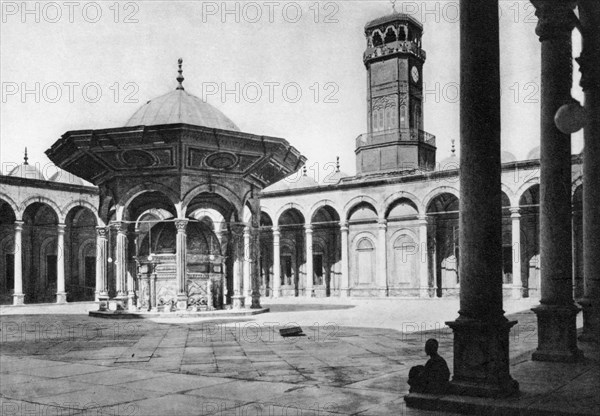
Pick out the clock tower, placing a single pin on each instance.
(394, 60)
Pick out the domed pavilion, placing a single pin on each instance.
(179, 189)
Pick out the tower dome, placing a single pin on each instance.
(179, 106)
(27, 171)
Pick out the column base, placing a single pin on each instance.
(118, 303)
(18, 299)
(517, 292)
(182, 301)
(255, 302)
(131, 301)
(61, 297)
(276, 293)
(481, 361)
(424, 292)
(238, 302)
(308, 292)
(591, 320)
(344, 292)
(103, 301)
(557, 333)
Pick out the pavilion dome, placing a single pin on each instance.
(288, 183)
(62, 176)
(179, 106)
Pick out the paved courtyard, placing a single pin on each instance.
(354, 358)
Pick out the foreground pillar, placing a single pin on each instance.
(382, 256)
(556, 314)
(255, 282)
(276, 262)
(309, 260)
(101, 268)
(481, 361)
(61, 294)
(516, 253)
(589, 14)
(181, 264)
(345, 285)
(238, 262)
(18, 296)
(424, 258)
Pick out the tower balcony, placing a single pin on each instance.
(398, 47)
(395, 135)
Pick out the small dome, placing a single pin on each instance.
(293, 182)
(27, 171)
(180, 107)
(507, 157)
(449, 163)
(534, 153)
(335, 178)
(62, 176)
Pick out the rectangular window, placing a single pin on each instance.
(90, 271)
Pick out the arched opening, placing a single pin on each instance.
(578, 243)
(362, 262)
(376, 40)
(529, 208)
(507, 248)
(403, 248)
(443, 250)
(7, 252)
(40, 256)
(292, 252)
(80, 254)
(266, 254)
(390, 35)
(326, 251)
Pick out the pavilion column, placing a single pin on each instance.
(247, 288)
(101, 267)
(382, 256)
(516, 253)
(309, 260)
(61, 295)
(18, 296)
(424, 257)
(556, 314)
(589, 15)
(276, 262)
(181, 263)
(255, 282)
(345, 285)
(222, 236)
(238, 264)
(481, 332)
(121, 263)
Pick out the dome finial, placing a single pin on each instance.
(180, 77)
(453, 147)
(304, 170)
(393, 6)
(25, 158)
(337, 163)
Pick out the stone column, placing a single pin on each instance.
(238, 252)
(481, 361)
(589, 15)
(61, 295)
(101, 267)
(382, 256)
(556, 314)
(276, 262)
(424, 258)
(247, 288)
(345, 285)
(255, 282)
(181, 263)
(516, 253)
(309, 260)
(18, 296)
(120, 264)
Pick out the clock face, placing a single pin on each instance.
(414, 73)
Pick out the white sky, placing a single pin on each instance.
(219, 52)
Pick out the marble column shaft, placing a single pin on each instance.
(181, 263)
(424, 258)
(18, 296)
(557, 312)
(309, 260)
(61, 295)
(382, 256)
(101, 266)
(516, 252)
(120, 260)
(276, 263)
(345, 284)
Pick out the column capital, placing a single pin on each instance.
(181, 225)
(515, 212)
(101, 232)
(422, 219)
(275, 230)
(19, 225)
(120, 226)
(556, 19)
(61, 228)
(382, 223)
(308, 228)
(344, 226)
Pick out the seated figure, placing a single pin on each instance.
(434, 376)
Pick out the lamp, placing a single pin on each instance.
(571, 117)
